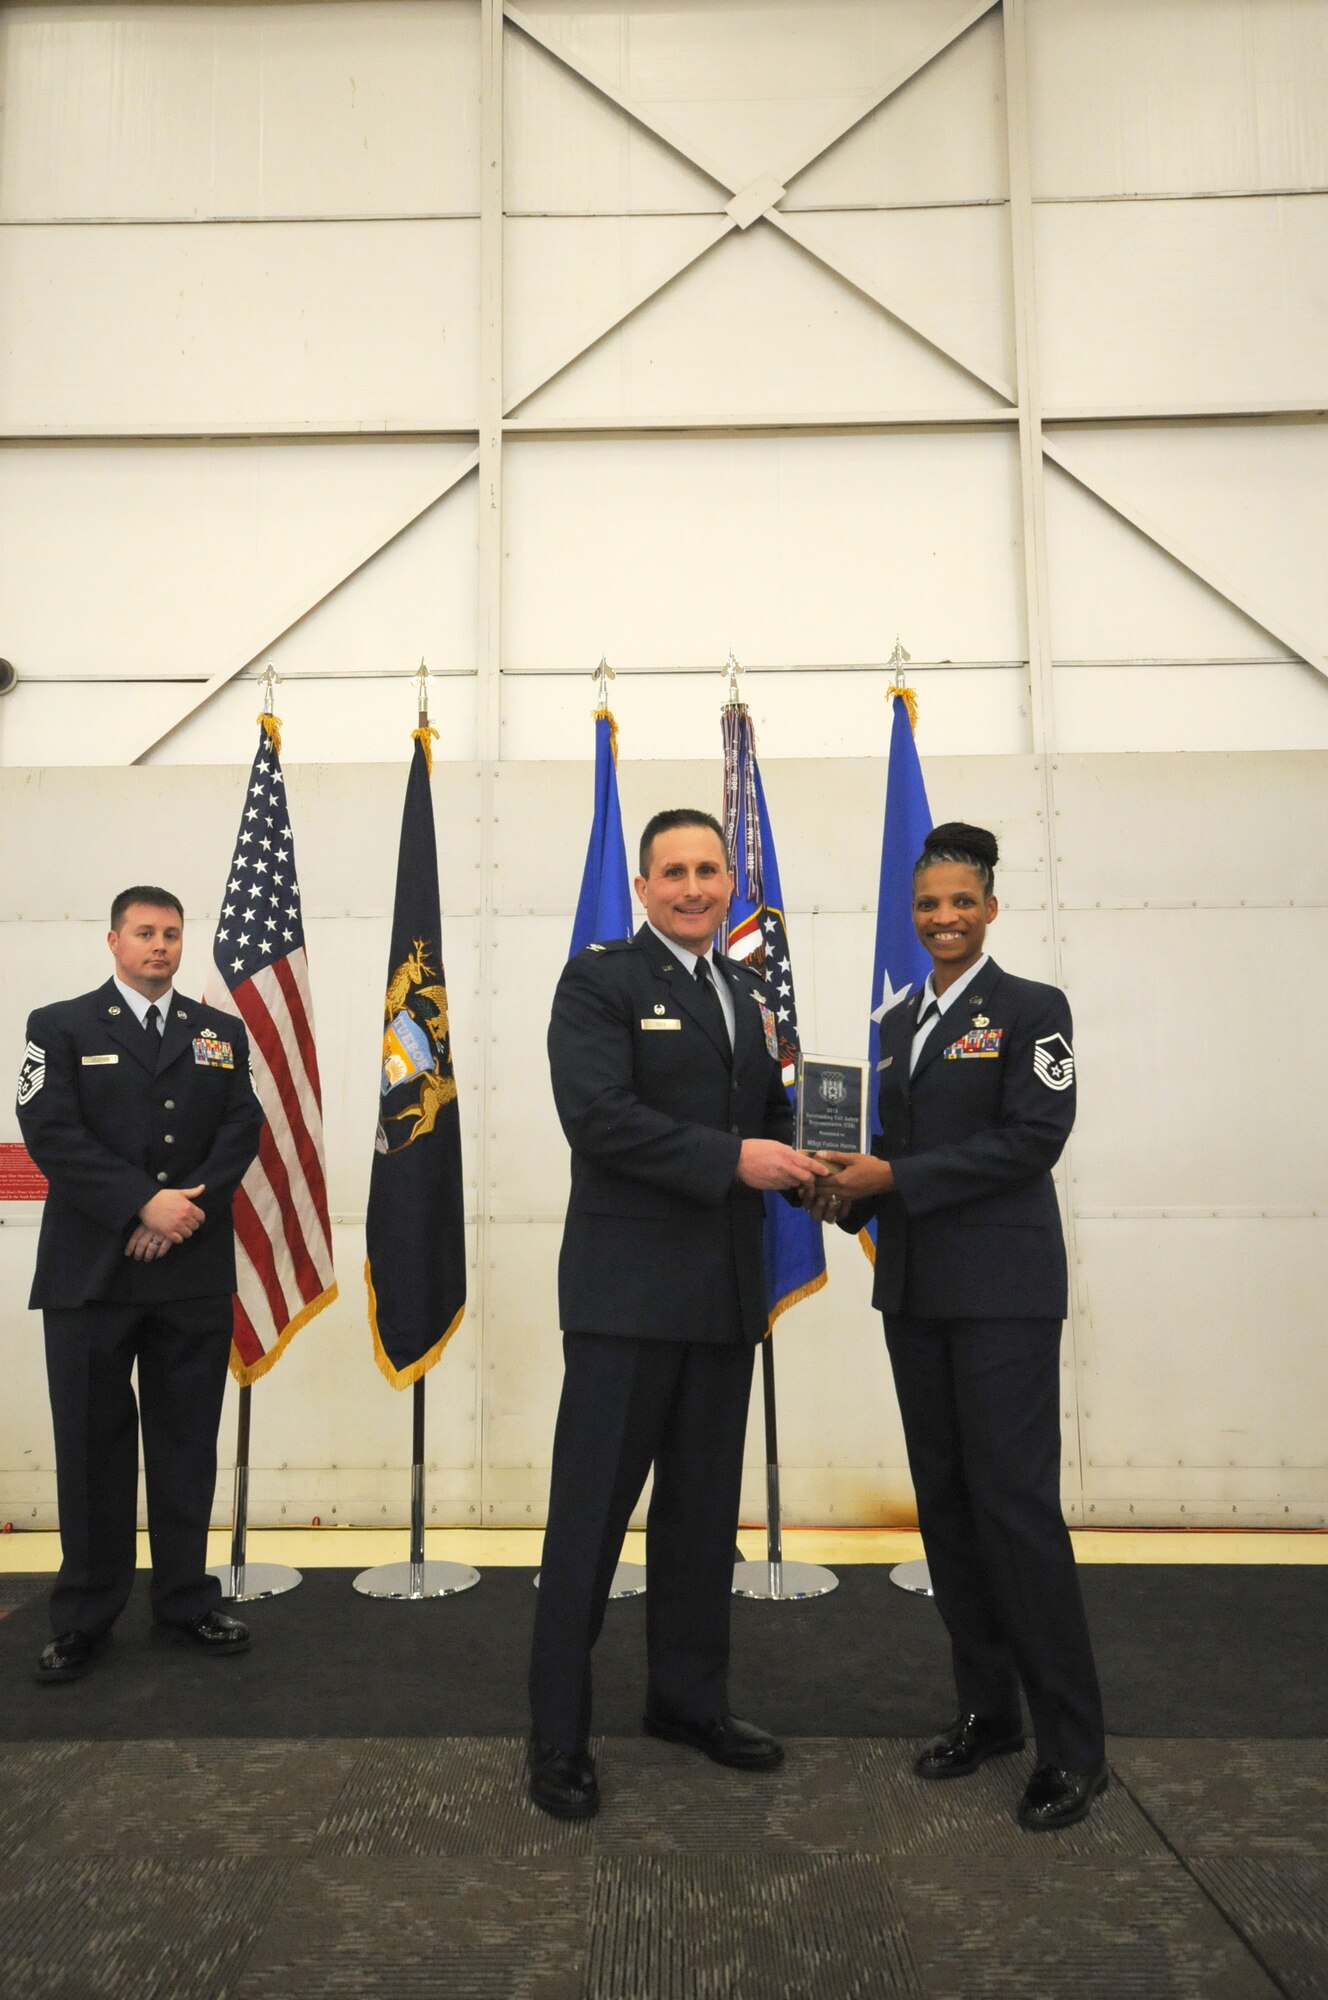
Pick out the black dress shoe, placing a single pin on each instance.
(213, 1632)
(562, 1782)
(66, 1657)
(968, 1742)
(1055, 1798)
(722, 1738)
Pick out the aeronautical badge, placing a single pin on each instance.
(32, 1074)
(771, 1032)
(1053, 1062)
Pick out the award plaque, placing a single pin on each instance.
(833, 1108)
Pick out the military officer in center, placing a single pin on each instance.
(667, 1080)
(138, 1106)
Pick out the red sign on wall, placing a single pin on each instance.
(20, 1177)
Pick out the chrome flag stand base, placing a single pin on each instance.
(410, 1582)
(914, 1576)
(774, 1579)
(629, 1580)
(781, 1581)
(245, 1582)
(414, 1580)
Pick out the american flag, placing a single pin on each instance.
(283, 1241)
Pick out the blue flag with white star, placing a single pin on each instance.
(604, 907)
(899, 962)
(794, 1250)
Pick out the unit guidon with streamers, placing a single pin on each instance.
(283, 1240)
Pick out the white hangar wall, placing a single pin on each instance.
(344, 332)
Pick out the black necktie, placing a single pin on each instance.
(706, 985)
(152, 1020)
(929, 1013)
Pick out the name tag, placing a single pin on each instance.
(662, 1026)
(213, 1054)
(94, 1062)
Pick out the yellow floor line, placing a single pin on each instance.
(347, 1548)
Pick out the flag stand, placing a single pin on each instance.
(244, 1582)
(783, 1582)
(914, 1576)
(417, 1578)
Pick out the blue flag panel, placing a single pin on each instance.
(899, 962)
(604, 907)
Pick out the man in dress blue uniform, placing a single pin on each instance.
(138, 1106)
(667, 1080)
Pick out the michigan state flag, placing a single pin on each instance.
(794, 1251)
(604, 907)
(415, 1227)
(899, 962)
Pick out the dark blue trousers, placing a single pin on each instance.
(181, 1349)
(627, 1404)
(980, 1400)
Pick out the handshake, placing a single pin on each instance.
(826, 1183)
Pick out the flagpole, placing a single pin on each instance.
(243, 1582)
(416, 1579)
(773, 1579)
(913, 1576)
(629, 1578)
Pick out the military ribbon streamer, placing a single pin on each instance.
(794, 1250)
(415, 1225)
(604, 907)
(899, 962)
(283, 1240)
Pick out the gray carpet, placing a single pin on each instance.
(251, 1869)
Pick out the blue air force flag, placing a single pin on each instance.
(604, 907)
(900, 962)
(794, 1250)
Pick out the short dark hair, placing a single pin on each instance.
(973, 846)
(664, 822)
(144, 892)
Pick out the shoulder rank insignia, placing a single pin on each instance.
(1053, 1062)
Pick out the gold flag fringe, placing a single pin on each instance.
(246, 1373)
(422, 736)
(868, 1247)
(794, 1298)
(606, 715)
(403, 1378)
(910, 701)
(271, 728)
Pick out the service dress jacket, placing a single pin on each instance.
(112, 1113)
(972, 1228)
(661, 1241)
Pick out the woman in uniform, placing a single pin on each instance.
(977, 1096)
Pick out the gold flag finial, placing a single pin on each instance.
(899, 659)
(422, 733)
(603, 675)
(269, 721)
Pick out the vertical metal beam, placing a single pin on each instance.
(1042, 707)
(489, 636)
(1029, 382)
